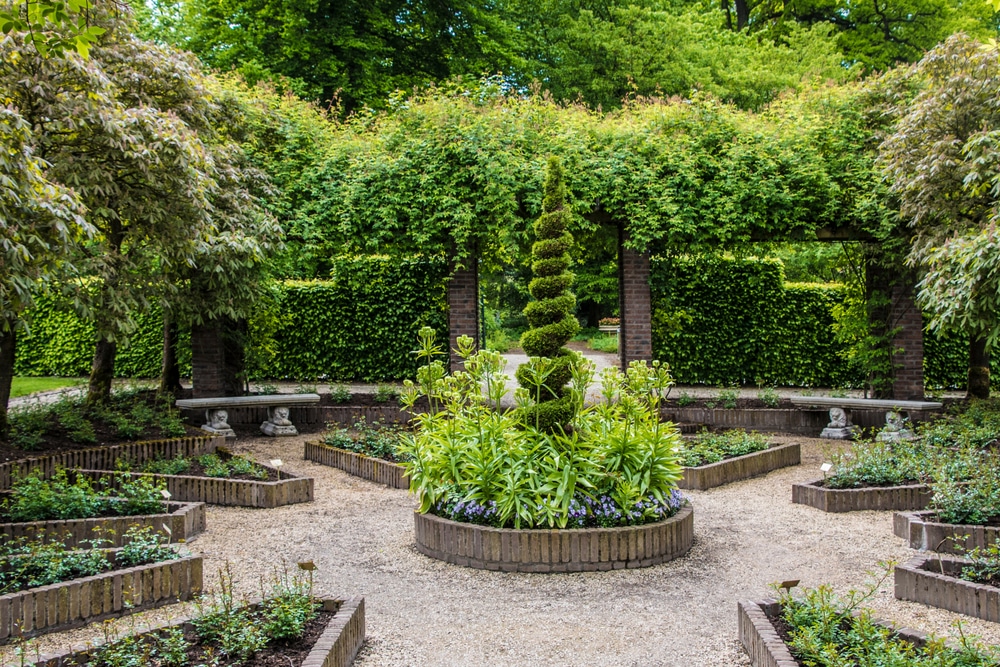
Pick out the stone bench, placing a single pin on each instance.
(277, 405)
(840, 426)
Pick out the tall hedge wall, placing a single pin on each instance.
(360, 325)
(719, 321)
(363, 323)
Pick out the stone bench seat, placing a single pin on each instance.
(840, 426)
(277, 405)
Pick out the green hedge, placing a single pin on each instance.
(361, 325)
(720, 321)
(59, 343)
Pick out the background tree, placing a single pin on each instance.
(944, 165)
(40, 223)
(550, 316)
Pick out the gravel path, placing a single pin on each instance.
(425, 612)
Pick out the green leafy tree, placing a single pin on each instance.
(52, 26)
(943, 160)
(40, 222)
(550, 315)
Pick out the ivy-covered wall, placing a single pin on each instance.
(360, 325)
(720, 321)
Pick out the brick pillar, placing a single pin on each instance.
(463, 307)
(207, 360)
(908, 361)
(635, 337)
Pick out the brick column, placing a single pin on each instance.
(463, 307)
(635, 337)
(207, 360)
(908, 361)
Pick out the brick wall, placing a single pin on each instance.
(908, 363)
(635, 340)
(463, 307)
(207, 361)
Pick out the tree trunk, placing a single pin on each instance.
(979, 368)
(102, 372)
(170, 372)
(742, 14)
(8, 344)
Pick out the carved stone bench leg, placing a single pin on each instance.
(840, 426)
(217, 422)
(278, 423)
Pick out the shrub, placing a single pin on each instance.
(33, 498)
(872, 463)
(340, 393)
(467, 457)
(217, 466)
(377, 440)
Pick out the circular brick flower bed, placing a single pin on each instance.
(541, 550)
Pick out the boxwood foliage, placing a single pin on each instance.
(361, 324)
(720, 320)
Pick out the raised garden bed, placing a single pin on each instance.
(184, 521)
(765, 646)
(935, 581)
(375, 470)
(900, 498)
(924, 533)
(336, 646)
(77, 602)
(288, 490)
(545, 550)
(740, 467)
(104, 458)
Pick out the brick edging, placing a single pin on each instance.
(222, 491)
(766, 649)
(740, 467)
(103, 458)
(548, 550)
(346, 629)
(375, 470)
(879, 498)
(184, 520)
(924, 534)
(921, 580)
(74, 603)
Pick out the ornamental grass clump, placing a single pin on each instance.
(615, 464)
(550, 314)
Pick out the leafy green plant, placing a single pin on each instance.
(385, 393)
(874, 463)
(602, 343)
(267, 389)
(728, 397)
(769, 397)
(377, 440)
(340, 393)
(144, 545)
(714, 447)
(175, 466)
(685, 399)
(984, 565)
(306, 388)
(826, 629)
(219, 466)
(33, 498)
(475, 463)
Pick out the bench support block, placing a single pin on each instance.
(278, 422)
(217, 422)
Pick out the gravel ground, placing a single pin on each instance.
(425, 612)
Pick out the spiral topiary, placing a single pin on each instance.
(550, 315)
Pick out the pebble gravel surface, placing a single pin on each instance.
(423, 612)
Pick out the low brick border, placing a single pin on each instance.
(908, 497)
(71, 604)
(924, 534)
(103, 458)
(336, 647)
(221, 491)
(184, 520)
(375, 470)
(766, 648)
(921, 579)
(741, 467)
(541, 550)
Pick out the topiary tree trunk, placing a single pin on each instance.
(550, 315)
